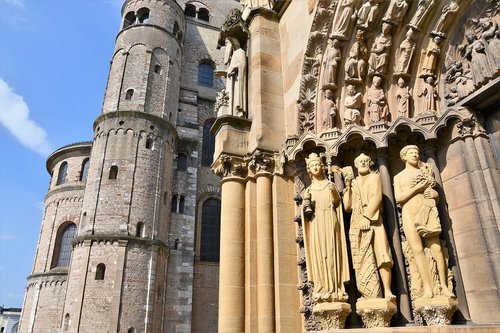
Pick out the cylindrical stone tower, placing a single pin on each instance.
(118, 268)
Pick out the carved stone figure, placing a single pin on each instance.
(491, 35)
(345, 15)
(403, 98)
(368, 13)
(405, 54)
(423, 8)
(324, 238)
(475, 52)
(222, 103)
(333, 55)
(328, 110)
(355, 66)
(236, 84)
(396, 11)
(430, 94)
(447, 14)
(431, 58)
(370, 250)
(377, 63)
(376, 101)
(414, 191)
(352, 106)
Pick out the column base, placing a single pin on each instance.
(436, 311)
(332, 315)
(376, 312)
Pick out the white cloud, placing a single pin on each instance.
(17, 3)
(7, 237)
(14, 115)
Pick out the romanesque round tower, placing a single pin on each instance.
(117, 275)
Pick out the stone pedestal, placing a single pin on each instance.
(378, 127)
(332, 315)
(376, 312)
(436, 311)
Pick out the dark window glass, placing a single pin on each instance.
(61, 176)
(143, 15)
(149, 143)
(208, 148)
(182, 162)
(181, 205)
(203, 14)
(139, 231)
(66, 245)
(129, 94)
(210, 230)
(85, 170)
(174, 204)
(190, 10)
(113, 172)
(129, 19)
(100, 272)
(206, 75)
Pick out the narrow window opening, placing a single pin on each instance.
(113, 172)
(158, 69)
(66, 322)
(100, 272)
(203, 14)
(208, 144)
(176, 28)
(174, 204)
(85, 170)
(139, 231)
(129, 94)
(149, 143)
(165, 197)
(176, 244)
(64, 246)
(143, 15)
(182, 162)
(206, 75)
(210, 231)
(190, 10)
(181, 204)
(129, 19)
(61, 176)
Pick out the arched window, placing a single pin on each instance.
(61, 176)
(129, 94)
(203, 14)
(129, 19)
(210, 230)
(139, 230)
(143, 15)
(66, 322)
(181, 204)
(176, 29)
(85, 170)
(206, 75)
(100, 271)
(182, 162)
(65, 245)
(15, 328)
(208, 148)
(174, 204)
(149, 143)
(113, 172)
(158, 69)
(190, 10)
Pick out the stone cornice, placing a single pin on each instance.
(239, 123)
(122, 240)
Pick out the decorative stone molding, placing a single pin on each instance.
(376, 312)
(332, 315)
(436, 311)
(261, 162)
(227, 166)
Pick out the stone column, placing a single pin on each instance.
(392, 229)
(232, 256)
(265, 263)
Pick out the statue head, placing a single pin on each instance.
(314, 165)
(409, 150)
(401, 82)
(363, 163)
(351, 90)
(386, 28)
(328, 94)
(376, 81)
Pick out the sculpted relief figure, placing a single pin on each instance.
(369, 246)
(355, 66)
(430, 94)
(333, 55)
(368, 13)
(345, 15)
(324, 238)
(328, 110)
(491, 35)
(352, 106)
(475, 52)
(376, 101)
(403, 98)
(431, 58)
(377, 63)
(423, 8)
(405, 54)
(414, 191)
(447, 14)
(236, 83)
(396, 11)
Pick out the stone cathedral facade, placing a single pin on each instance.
(282, 166)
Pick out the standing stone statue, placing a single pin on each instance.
(236, 84)
(475, 52)
(325, 244)
(376, 102)
(333, 55)
(414, 191)
(355, 66)
(328, 110)
(352, 106)
(371, 255)
(431, 58)
(403, 97)
(423, 8)
(368, 13)
(405, 54)
(491, 35)
(430, 94)
(377, 63)
(345, 15)
(447, 14)
(396, 11)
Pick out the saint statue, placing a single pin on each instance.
(430, 94)
(236, 84)
(376, 102)
(414, 191)
(356, 64)
(396, 11)
(352, 106)
(377, 63)
(447, 14)
(405, 53)
(432, 52)
(324, 239)
(333, 55)
(345, 14)
(423, 8)
(403, 98)
(370, 250)
(368, 13)
(328, 110)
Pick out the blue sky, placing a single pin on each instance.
(54, 62)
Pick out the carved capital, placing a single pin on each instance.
(227, 166)
(470, 125)
(260, 162)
